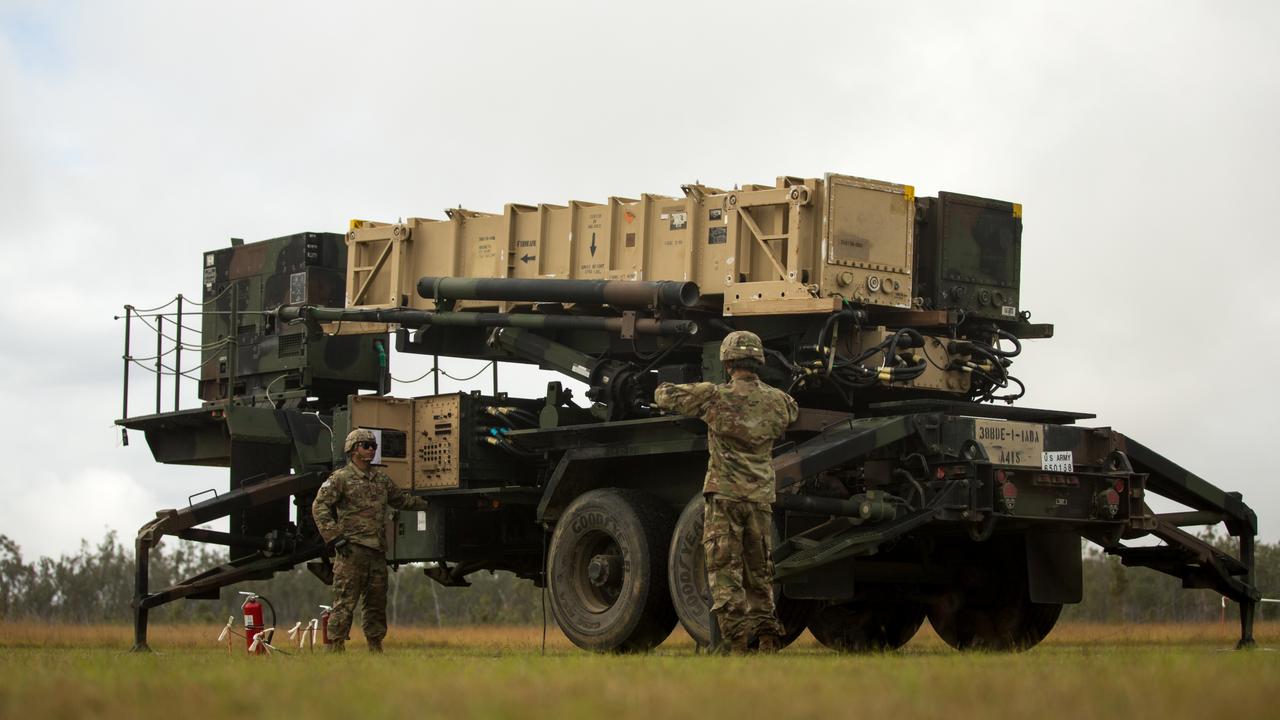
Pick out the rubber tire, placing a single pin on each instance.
(862, 626)
(691, 595)
(642, 616)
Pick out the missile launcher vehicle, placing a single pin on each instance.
(911, 487)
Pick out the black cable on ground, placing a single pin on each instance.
(544, 588)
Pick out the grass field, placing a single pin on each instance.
(1081, 671)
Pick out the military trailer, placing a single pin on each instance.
(912, 486)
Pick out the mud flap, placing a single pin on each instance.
(322, 569)
(1054, 567)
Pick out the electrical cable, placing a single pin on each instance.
(158, 307)
(185, 346)
(225, 290)
(472, 377)
(423, 375)
(320, 420)
(928, 357)
(267, 390)
(1005, 335)
(545, 536)
(528, 417)
(680, 341)
(186, 327)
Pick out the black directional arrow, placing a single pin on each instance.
(527, 257)
(593, 244)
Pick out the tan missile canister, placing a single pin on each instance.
(798, 246)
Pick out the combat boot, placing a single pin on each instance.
(338, 646)
(739, 645)
(769, 643)
(375, 646)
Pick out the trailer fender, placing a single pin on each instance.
(673, 475)
(1054, 569)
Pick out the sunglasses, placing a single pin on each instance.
(366, 445)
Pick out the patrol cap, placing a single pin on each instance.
(741, 344)
(355, 436)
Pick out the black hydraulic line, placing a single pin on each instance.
(906, 476)
(528, 417)
(857, 317)
(913, 340)
(819, 505)
(621, 293)
(529, 321)
(1006, 335)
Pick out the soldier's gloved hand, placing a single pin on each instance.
(339, 545)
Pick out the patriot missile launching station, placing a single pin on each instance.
(913, 485)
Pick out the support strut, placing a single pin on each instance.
(260, 564)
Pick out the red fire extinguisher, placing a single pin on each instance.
(252, 610)
(324, 624)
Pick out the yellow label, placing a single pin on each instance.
(1017, 210)
(356, 224)
(909, 192)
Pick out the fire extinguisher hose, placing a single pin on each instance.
(273, 611)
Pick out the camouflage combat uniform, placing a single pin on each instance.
(743, 417)
(353, 505)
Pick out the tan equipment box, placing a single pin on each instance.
(798, 246)
(418, 438)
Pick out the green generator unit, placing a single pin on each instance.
(244, 340)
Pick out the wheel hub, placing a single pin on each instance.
(604, 568)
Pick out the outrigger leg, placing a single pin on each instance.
(1247, 607)
(274, 553)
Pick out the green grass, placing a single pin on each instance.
(1091, 671)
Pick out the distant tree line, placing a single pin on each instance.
(95, 585)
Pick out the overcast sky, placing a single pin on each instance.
(1140, 137)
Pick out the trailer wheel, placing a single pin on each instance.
(991, 609)
(867, 625)
(691, 595)
(607, 571)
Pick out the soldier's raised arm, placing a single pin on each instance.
(793, 410)
(324, 507)
(690, 399)
(401, 499)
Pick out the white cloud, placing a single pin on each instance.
(49, 512)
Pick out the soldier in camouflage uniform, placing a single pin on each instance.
(350, 511)
(743, 417)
